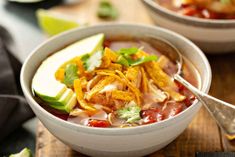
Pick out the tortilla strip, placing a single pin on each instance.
(80, 96)
(144, 81)
(99, 86)
(162, 80)
(105, 70)
(126, 82)
(122, 95)
(131, 86)
(115, 66)
(132, 73)
(141, 53)
(79, 63)
(83, 82)
(109, 56)
(93, 82)
(59, 75)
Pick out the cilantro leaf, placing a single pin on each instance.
(84, 58)
(128, 51)
(70, 74)
(123, 61)
(142, 60)
(107, 10)
(131, 114)
(126, 60)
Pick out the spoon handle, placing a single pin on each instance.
(223, 113)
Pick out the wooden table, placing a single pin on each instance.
(202, 135)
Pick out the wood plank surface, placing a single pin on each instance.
(223, 86)
(202, 135)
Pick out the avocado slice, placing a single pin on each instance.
(24, 153)
(64, 99)
(69, 106)
(44, 83)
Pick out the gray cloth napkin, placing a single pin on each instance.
(14, 111)
(13, 107)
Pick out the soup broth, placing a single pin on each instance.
(125, 110)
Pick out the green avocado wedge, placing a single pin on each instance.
(44, 83)
(24, 153)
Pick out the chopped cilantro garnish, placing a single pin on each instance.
(142, 60)
(128, 51)
(123, 61)
(70, 74)
(106, 10)
(130, 114)
(85, 57)
(126, 60)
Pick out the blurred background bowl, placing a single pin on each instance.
(212, 36)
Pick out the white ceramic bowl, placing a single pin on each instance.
(212, 36)
(136, 141)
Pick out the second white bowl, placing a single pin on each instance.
(212, 36)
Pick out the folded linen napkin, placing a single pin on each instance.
(13, 107)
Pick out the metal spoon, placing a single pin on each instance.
(223, 112)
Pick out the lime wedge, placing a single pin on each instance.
(54, 23)
(24, 153)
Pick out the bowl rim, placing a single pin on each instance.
(111, 131)
(218, 23)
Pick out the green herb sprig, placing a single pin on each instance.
(126, 60)
(130, 114)
(106, 10)
(70, 74)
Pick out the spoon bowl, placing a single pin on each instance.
(169, 50)
(222, 112)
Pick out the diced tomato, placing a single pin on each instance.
(177, 109)
(172, 109)
(180, 86)
(151, 116)
(189, 100)
(189, 97)
(189, 11)
(98, 123)
(209, 14)
(184, 5)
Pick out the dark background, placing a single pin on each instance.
(20, 20)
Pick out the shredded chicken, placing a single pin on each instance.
(157, 94)
(162, 80)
